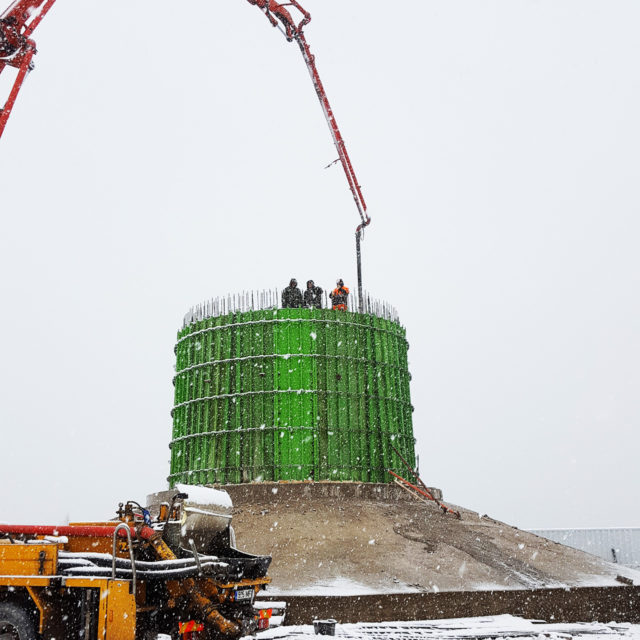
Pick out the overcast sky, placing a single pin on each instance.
(159, 156)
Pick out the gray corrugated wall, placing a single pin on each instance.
(600, 542)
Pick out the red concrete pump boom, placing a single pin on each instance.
(280, 17)
(17, 24)
(17, 49)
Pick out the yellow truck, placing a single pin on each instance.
(169, 570)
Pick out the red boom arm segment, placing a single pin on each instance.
(276, 11)
(17, 49)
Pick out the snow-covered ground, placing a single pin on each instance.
(340, 586)
(505, 626)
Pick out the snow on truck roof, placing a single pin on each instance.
(205, 496)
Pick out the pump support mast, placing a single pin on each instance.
(17, 49)
(276, 12)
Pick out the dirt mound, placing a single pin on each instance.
(349, 538)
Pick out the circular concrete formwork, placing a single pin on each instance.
(291, 394)
(360, 538)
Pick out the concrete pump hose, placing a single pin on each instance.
(207, 608)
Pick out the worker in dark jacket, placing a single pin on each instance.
(313, 296)
(339, 296)
(292, 296)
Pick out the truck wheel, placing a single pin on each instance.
(15, 623)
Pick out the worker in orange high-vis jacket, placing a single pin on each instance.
(339, 296)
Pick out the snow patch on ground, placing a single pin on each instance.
(338, 587)
(505, 626)
(590, 580)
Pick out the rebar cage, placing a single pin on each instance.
(272, 394)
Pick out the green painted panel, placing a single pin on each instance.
(290, 395)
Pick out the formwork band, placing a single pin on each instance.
(298, 392)
(240, 431)
(288, 356)
(342, 323)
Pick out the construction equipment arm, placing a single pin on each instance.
(17, 49)
(293, 31)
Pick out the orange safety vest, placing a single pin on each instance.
(339, 298)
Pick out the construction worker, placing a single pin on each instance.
(292, 296)
(271, 7)
(339, 296)
(313, 296)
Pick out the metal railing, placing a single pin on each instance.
(124, 527)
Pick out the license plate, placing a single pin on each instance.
(244, 595)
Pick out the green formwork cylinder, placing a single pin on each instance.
(291, 395)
